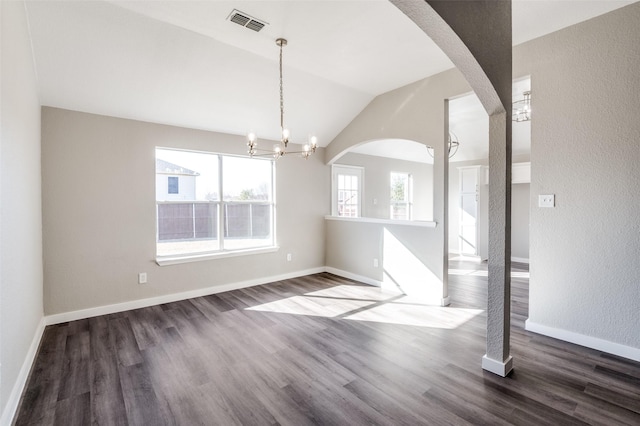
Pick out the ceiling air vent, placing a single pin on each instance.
(246, 20)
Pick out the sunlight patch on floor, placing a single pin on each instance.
(312, 305)
(417, 315)
(373, 304)
(356, 292)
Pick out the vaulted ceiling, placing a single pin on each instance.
(185, 63)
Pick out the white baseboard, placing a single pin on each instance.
(584, 340)
(497, 367)
(352, 276)
(18, 387)
(173, 297)
(520, 259)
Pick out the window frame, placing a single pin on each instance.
(220, 204)
(349, 171)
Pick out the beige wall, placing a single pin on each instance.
(586, 149)
(377, 172)
(99, 212)
(20, 211)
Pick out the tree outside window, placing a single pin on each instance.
(400, 197)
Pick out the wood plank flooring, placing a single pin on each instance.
(321, 350)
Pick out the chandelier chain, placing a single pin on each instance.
(281, 93)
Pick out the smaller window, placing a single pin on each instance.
(401, 197)
(347, 191)
(173, 187)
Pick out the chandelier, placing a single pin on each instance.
(522, 108)
(280, 149)
(453, 145)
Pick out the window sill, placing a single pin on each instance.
(419, 223)
(175, 260)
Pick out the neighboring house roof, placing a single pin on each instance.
(168, 168)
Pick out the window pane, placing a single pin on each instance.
(247, 192)
(187, 207)
(247, 226)
(246, 179)
(400, 185)
(196, 171)
(347, 196)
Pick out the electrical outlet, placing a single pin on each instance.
(288, 257)
(142, 278)
(375, 263)
(546, 200)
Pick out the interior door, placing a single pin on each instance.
(468, 232)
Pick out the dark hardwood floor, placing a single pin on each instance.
(321, 350)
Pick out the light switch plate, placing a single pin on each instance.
(547, 200)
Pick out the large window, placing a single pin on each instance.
(346, 184)
(401, 200)
(224, 203)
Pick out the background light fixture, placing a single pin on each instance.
(521, 110)
(453, 145)
(280, 149)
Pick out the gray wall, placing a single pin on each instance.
(101, 170)
(20, 211)
(520, 196)
(586, 150)
(413, 112)
(377, 172)
(405, 255)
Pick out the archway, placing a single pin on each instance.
(476, 35)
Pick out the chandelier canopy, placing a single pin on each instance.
(522, 108)
(280, 149)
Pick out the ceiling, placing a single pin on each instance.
(184, 63)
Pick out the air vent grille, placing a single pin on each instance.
(246, 20)
(255, 25)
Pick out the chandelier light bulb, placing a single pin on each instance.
(285, 135)
(252, 137)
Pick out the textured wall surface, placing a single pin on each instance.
(20, 201)
(586, 150)
(101, 170)
(520, 196)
